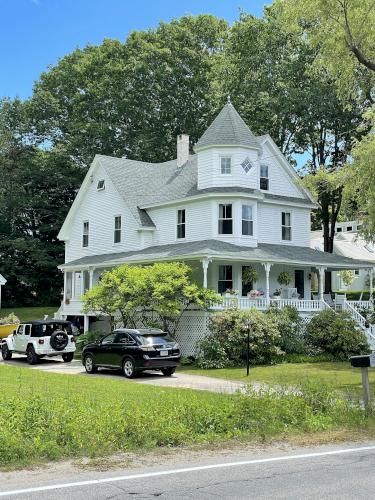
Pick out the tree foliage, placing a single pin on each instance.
(157, 295)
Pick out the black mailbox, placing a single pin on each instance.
(363, 361)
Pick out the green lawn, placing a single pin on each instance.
(335, 375)
(29, 313)
(45, 416)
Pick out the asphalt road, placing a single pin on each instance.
(342, 472)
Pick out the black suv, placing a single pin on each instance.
(133, 351)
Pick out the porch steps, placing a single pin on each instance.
(361, 322)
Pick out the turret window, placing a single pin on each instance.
(286, 226)
(247, 220)
(117, 231)
(181, 224)
(226, 167)
(225, 219)
(246, 165)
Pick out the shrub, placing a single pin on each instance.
(87, 338)
(11, 318)
(227, 342)
(336, 334)
(291, 329)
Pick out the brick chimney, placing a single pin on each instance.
(182, 149)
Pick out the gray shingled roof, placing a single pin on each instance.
(285, 254)
(142, 184)
(228, 128)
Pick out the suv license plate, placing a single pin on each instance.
(163, 353)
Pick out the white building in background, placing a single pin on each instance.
(348, 243)
(2, 283)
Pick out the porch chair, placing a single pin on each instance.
(339, 301)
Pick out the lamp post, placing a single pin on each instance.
(248, 328)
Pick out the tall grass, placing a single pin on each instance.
(49, 417)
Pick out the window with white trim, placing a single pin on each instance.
(117, 230)
(263, 179)
(85, 233)
(226, 165)
(101, 185)
(225, 219)
(181, 224)
(356, 272)
(225, 281)
(247, 220)
(286, 226)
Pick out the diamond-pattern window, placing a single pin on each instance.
(246, 165)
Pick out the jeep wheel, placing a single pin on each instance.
(32, 357)
(128, 368)
(168, 372)
(68, 357)
(89, 364)
(6, 353)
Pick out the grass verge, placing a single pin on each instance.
(337, 375)
(29, 313)
(46, 416)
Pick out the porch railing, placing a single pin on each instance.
(360, 304)
(262, 304)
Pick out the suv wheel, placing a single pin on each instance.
(89, 364)
(68, 357)
(128, 368)
(6, 353)
(168, 372)
(32, 357)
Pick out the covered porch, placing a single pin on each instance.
(221, 266)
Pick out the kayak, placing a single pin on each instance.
(6, 330)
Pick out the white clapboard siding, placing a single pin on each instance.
(209, 168)
(269, 224)
(100, 209)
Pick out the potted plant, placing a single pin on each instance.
(250, 275)
(284, 278)
(277, 293)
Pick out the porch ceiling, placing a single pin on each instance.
(216, 249)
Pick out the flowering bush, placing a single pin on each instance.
(227, 342)
(11, 318)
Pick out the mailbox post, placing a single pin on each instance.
(248, 328)
(364, 363)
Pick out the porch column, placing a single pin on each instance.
(205, 263)
(65, 282)
(371, 273)
(267, 267)
(91, 278)
(321, 270)
(73, 285)
(86, 323)
(82, 283)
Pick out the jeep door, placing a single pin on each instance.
(22, 338)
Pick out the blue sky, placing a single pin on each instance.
(36, 33)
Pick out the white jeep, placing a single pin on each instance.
(38, 339)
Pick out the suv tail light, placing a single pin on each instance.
(41, 341)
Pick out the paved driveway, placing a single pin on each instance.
(179, 379)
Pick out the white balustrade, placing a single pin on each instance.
(360, 304)
(262, 304)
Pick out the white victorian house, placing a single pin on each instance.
(236, 202)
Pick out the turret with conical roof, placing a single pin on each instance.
(228, 152)
(228, 129)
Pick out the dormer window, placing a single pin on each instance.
(101, 185)
(225, 163)
(264, 180)
(246, 165)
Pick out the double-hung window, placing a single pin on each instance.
(225, 279)
(264, 180)
(286, 226)
(85, 233)
(181, 225)
(247, 220)
(225, 219)
(225, 164)
(117, 231)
